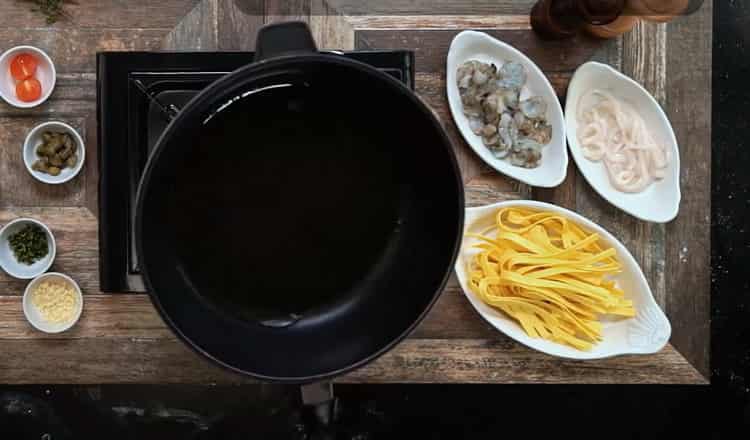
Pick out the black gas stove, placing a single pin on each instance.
(138, 93)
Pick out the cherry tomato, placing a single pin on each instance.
(29, 90)
(23, 66)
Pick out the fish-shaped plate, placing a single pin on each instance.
(647, 332)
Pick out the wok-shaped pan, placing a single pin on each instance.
(299, 217)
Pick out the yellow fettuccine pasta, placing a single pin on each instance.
(548, 274)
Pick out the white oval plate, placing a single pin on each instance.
(647, 333)
(472, 45)
(658, 203)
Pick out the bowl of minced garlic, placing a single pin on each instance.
(52, 302)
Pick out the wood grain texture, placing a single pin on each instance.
(133, 316)
(17, 186)
(197, 31)
(73, 50)
(645, 60)
(150, 360)
(330, 29)
(288, 10)
(453, 344)
(75, 231)
(460, 22)
(144, 14)
(238, 23)
(432, 7)
(688, 241)
(74, 102)
(104, 316)
(643, 57)
(431, 47)
(477, 361)
(74, 95)
(563, 195)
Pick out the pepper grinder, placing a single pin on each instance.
(560, 19)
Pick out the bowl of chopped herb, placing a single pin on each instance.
(27, 248)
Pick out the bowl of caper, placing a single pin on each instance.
(27, 248)
(53, 152)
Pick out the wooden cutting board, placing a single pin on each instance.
(121, 339)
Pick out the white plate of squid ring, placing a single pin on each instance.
(640, 171)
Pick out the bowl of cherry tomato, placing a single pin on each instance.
(27, 76)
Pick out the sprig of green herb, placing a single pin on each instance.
(51, 9)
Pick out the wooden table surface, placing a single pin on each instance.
(121, 339)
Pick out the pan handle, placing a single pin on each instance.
(284, 39)
(319, 396)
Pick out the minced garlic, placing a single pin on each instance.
(55, 301)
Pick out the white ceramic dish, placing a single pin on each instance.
(658, 203)
(647, 333)
(472, 45)
(45, 73)
(8, 261)
(34, 138)
(33, 315)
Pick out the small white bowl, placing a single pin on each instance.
(648, 332)
(8, 261)
(472, 45)
(34, 139)
(45, 73)
(658, 203)
(33, 315)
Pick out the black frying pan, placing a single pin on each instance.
(299, 216)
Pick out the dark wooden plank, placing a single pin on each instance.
(432, 7)
(238, 23)
(162, 14)
(104, 316)
(422, 21)
(74, 50)
(133, 316)
(73, 101)
(331, 30)
(74, 96)
(639, 55)
(196, 31)
(644, 59)
(493, 361)
(17, 187)
(688, 262)
(453, 344)
(106, 360)
(218, 25)
(148, 360)
(282, 10)
(75, 231)
(492, 188)
(431, 47)
(563, 195)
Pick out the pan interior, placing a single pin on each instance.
(285, 199)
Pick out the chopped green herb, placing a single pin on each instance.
(29, 244)
(51, 9)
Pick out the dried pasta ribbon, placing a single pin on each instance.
(548, 274)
